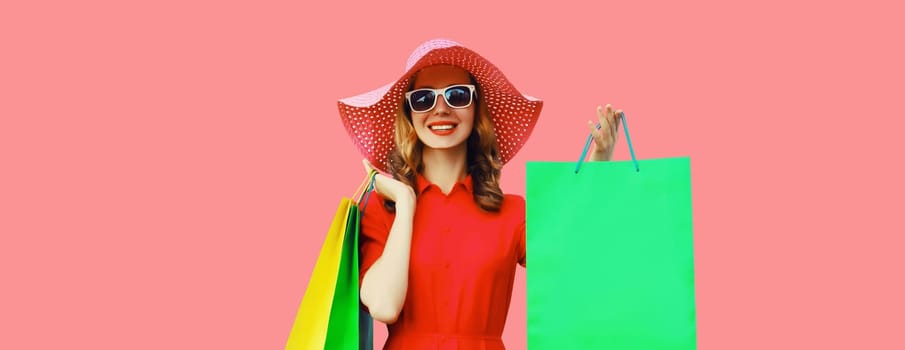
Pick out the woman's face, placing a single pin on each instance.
(443, 127)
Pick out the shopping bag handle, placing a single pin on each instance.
(365, 187)
(364, 190)
(628, 139)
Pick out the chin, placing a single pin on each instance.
(443, 142)
(442, 145)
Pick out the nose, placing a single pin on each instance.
(441, 107)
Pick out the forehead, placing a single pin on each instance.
(440, 76)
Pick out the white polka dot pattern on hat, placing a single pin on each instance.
(370, 117)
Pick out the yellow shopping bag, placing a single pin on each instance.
(329, 311)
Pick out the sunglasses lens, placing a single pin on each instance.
(458, 96)
(422, 100)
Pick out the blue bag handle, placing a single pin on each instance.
(587, 145)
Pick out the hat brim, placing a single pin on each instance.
(369, 118)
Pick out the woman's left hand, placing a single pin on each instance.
(605, 137)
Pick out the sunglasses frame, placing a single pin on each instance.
(441, 92)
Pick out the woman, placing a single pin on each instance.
(440, 243)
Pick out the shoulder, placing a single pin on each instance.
(513, 206)
(513, 200)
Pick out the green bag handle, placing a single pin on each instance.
(587, 144)
(367, 191)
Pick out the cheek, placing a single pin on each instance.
(418, 120)
(469, 118)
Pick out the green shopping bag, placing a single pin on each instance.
(330, 315)
(351, 326)
(612, 257)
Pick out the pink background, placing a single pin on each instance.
(169, 169)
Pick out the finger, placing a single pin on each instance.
(609, 112)
(605, 127)
(599, 138)
(613, 118)
(595, 130)
(600, 115)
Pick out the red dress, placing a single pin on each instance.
(461, 269)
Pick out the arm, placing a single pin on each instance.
(384, 285)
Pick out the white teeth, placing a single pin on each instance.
(442, 127)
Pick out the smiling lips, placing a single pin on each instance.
(442, 128)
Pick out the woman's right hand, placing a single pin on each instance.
(391, 188)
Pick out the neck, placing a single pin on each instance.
(444, 167)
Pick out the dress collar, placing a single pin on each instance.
(423, 184)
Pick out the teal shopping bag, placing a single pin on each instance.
(612, 256)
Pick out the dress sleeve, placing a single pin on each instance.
(373, 233)
(516, 214)
(522, 251)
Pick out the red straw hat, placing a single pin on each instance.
(370, 117)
